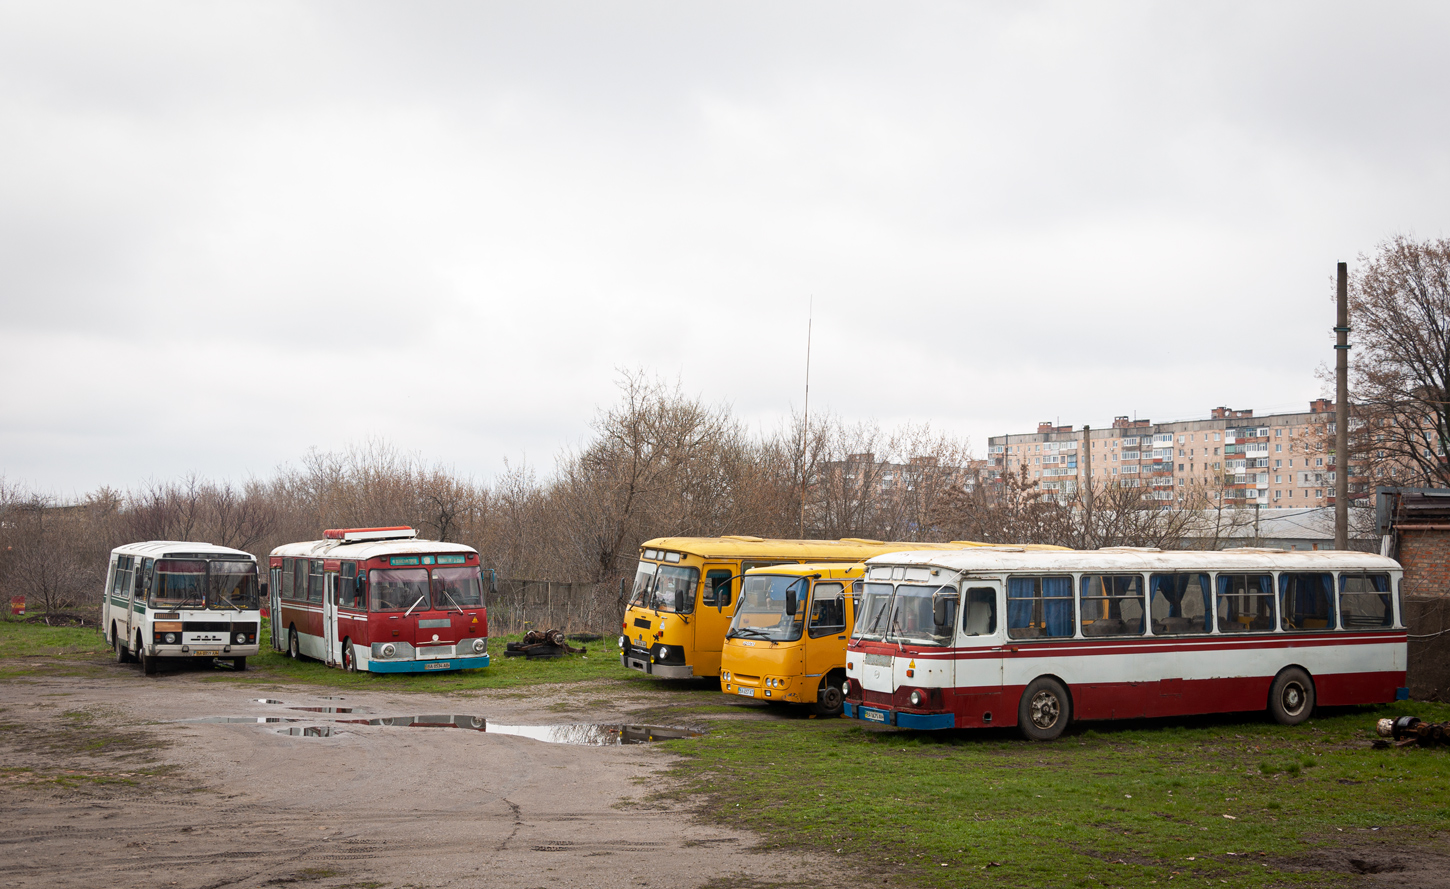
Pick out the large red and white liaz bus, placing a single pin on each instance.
(381, 600)
(1003, 637)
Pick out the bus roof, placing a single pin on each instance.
(1136, 560)
(831, 570)
(158, 549)
(366, 549)
(742, 546)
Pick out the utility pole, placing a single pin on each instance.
(806, 414)
(1341, 411)
(1087, 479)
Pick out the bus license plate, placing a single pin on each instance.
(211, 652)
(439, 666)
(748, 692)
(872, 715)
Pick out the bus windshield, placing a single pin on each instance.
(871, 620)
(196, 583)
(232, 585)
(458, 588)
(399, 589)
(924, 615)
(761, 613)
(644, 579)
(655, 587)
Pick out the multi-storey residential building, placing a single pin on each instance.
(1231, 458)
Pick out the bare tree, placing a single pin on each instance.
(1399, 306)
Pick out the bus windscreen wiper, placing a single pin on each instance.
(414, 605)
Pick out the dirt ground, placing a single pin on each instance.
(104, 782)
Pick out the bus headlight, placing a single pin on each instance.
(170, 638)
(725, 675)
(241, 638)
(916, 699)
(846, 688)
(389, 650)
(623, 642)
(480, 644)
(664, 651)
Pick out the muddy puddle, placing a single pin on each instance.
(331, 709)
(243, 719)
(309, 731)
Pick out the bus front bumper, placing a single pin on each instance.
(635, 659)
(899, 718)
(428, 666)
(192, 651)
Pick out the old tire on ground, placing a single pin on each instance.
(1291, 698)
(829, 699)
(293, 650)
(349, 657)
(239, 664)
(1045, 710)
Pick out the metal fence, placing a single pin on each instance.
(523, 605)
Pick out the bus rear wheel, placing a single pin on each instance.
(293, 650)
(1291, 699)
(1045, 710)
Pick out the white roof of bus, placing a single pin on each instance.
(158, 549)
(367, 549)
(1138, 560)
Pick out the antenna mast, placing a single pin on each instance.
(806, 411)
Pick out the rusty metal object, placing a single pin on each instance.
(1409, 730)
(542, 644)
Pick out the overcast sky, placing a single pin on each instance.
(230, 232)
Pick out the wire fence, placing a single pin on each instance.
(1429, 650)
(523, 605)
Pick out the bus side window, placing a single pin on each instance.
(981, 614)
(717, 587)
(143, 581)
(1306, 601)
(1245, 602)
(828, 610)
(285, 590)
(315, 581)
(116, 577)
(855, 596)
(1364, 601)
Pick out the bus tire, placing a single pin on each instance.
(830, 700)
(294, 651)
(148, 662)
(239, 664)
(122, 655)
(1045, 710)
(1291, 698)
(349, 658)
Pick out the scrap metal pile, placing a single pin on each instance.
(542, 644)
(1409, 730)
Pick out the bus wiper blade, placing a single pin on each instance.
(454, 601)
(743, 630)
(414, 605)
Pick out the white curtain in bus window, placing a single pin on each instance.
(1364, 600)
(1245, 602)
(1039, 607)
(979, 611)
(1306, 600)
(1180, 604)
(1112, 605)
(398, 589)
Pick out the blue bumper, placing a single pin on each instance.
(899, 719)
(439, 666)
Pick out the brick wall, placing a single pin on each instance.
(1425, 555)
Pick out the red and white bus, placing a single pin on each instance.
(1003, 637)
(381, 600)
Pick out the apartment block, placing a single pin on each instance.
(1231, 457)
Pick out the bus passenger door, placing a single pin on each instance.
(713, 610)
(978, 693)
(274, 608)
(329, 618)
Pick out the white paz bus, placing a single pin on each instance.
(173, 599)
(1004, 637)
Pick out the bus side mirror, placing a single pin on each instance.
(790, 602)
(723, 597)
(492, 582)
(939, 611)
(679, 601)
(263, 589)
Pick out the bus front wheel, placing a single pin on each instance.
(349, 659)
(1291, 699)
(830, 700)
(148, 662)
(239, 664)
(1045, 710)
(122, 656)
(293, 651)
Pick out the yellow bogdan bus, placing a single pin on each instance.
(686, 588)
(787, 643)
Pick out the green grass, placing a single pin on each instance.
(19, 639)
(1121, 803)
